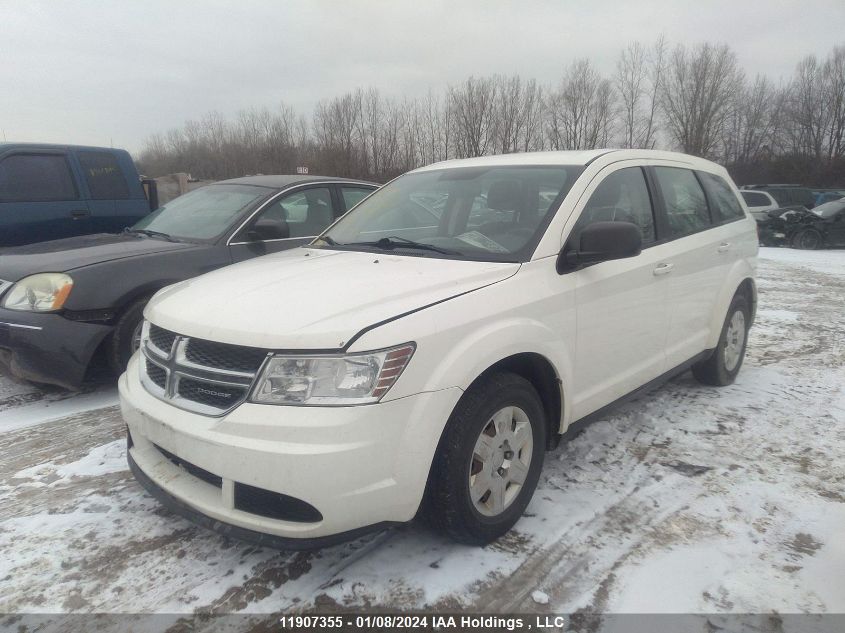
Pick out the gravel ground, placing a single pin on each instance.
(690, 499)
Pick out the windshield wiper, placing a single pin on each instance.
(150, 233)
(393, 242)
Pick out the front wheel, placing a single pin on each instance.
(808, 239)
(723, 365)
(126, 336)
(488, 461)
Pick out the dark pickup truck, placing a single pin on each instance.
(48, 192)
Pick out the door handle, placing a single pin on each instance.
(724, 247)
(663, 269)
(79, 214)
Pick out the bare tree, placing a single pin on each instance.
(472, 104)
(693, 98)
(700, 90)
(580, 112)
(751, 126)
(639, 77)
(834, 80)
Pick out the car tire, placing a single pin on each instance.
(723, 365)
(486, 444)
(807, 239)
(125, 337)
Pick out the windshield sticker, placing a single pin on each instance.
(479, 240)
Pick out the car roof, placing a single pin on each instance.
(569, 157)
(9, 145)
(280, 181)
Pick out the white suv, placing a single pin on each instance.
(431, 345)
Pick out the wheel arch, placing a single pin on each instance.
(540, 372)
(741, 280)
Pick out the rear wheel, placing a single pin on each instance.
(489, 460)
(808, 239)
(724, 364)
(126, 337)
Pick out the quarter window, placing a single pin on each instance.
(722, 198)
(36, 178)
(621, 197)
(103, 175)
(686, 205)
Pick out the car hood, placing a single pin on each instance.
(313, 298)
(75, 252)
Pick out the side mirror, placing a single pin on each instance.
(601, 242)
(268, 229)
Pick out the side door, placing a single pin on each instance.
(40, 198)
(695, 260)
(112, 208)
(620, 305)
(291, 219)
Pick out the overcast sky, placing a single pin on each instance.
(114, 72)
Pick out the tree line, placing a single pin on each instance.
(696, 99)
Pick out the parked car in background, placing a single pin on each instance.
(399, 364)
(828, 196)
(48, 192)
(824, 227)
(800, 228)
(61, 301)
(759, 203)
(787, 195)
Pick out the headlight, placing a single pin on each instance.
(331, 380)
(43, 292)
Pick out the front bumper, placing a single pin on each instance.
(48, 348)
(359, 467)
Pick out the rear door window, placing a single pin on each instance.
(686, 204)
(781, 196)
(723, 202)
(36, 178)
(304, 213)
(103, 175)
(353, 195)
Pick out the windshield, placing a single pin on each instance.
(829, 209)
(478, 213)
(202, 214)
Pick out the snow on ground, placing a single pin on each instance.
(689, 499)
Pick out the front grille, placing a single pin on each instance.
(210, 394)
(198, 375)
(156, 374)
(196, 471)
(225, 356)
(161, 338)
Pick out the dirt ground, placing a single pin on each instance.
(690, 499)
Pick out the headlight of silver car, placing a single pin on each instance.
(326, 380)
(44, 292)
